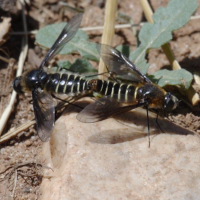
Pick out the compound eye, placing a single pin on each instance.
(17, 85)
(170, 103)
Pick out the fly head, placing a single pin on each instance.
(17, 85)
(170, 102)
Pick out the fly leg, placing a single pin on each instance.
(59, 108)
(158, 123)
(111, 75)
(147, 109)
(66, 101)
(89, 76)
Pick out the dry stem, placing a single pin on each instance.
(22, 57)
(109, 28)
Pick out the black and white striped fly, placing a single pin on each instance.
(133, 90)
(42, 84)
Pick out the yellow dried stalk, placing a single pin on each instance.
(109, 29)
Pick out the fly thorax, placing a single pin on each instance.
(152, 95)
(139, 96)
(35, 78)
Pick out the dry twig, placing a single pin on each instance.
(22, 57)
(16, 170)
(109, 28)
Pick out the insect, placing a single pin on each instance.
(42, 84)
(135, 90)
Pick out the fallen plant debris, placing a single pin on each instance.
(30, 172)
(5, 28)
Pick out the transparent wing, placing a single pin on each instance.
(44, 113)
(120, 64)
(66, 35)
(105, 107)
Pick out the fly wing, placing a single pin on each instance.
(103, 108)
(120, 64)
(44, 110)
(66, 35)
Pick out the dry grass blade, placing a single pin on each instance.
(15, 184)
(14, 132)
(14, 167)
(4, 59)
(109, 28)
(93, 28)
(23, 127)
(197, 78)
(27, 170)
(22, 57)
(4, 27)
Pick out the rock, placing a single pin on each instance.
(111, 160)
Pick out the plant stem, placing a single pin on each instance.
(109, 28)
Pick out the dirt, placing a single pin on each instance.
(23, 181)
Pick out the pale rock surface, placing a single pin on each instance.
(111, 160)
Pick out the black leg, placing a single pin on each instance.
(158, 123)
(62, 68)
(147, 108)
(66, 101)
(96, 74)
(166, 114)
(111, 75)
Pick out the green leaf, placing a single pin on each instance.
(141, 64)
(179, 77)
(46, 37)
(154, 35)
(64, 64)
(124, 49)
(79, 66)
(82, 66)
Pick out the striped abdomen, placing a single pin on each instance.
(124, 92)
(66, 83)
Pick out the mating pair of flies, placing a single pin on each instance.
(133, 90)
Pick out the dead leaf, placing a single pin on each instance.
(4, 27)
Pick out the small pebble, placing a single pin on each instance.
(28, 143)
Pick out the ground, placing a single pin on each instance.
(23, 150)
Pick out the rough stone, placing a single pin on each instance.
(111, 160)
